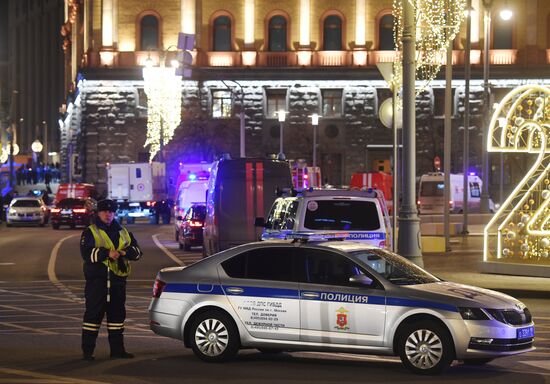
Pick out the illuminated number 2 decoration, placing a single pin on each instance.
(519, 231)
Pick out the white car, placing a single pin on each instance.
(337, 296)
(26, 211)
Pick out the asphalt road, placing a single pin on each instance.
(41, 306)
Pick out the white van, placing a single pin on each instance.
(360, 215)
(431, 199)
(189, 192)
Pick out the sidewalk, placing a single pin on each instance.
(462, 265)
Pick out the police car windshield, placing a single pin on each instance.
(394, 268)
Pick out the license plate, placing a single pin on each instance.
(66, 212)
(525, 333)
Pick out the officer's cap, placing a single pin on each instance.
(106, 205)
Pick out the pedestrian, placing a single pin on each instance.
(106, 248)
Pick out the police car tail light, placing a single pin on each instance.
(473, 314)
(79, 210)
(158, 288)
(56, 210)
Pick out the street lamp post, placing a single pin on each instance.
(466, 144)
(409, 222)
(241, 119)
(487, 4)
(315, 123)
(46, 153)
(281, 115)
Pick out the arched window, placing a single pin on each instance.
(149, 32)
(222, 33)
(277, 34)
(385, 33)
(503, 34)
(332, 33)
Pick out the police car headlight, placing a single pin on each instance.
(12, 212)
(472, 314)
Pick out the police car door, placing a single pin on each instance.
(335, 311)
(262, 289)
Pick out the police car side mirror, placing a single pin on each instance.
(360, 280)
(259, 222)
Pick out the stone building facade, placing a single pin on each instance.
(304, 70)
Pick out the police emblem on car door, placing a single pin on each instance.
(335, 310)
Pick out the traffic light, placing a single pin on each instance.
(186, 43)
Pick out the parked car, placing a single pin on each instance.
(73, 212)
(339, 296)
(191, 225)
(27, 211)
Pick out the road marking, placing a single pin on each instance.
(51, 271)
(17, 326)
(7, 263)
(544, 364)
(165, 250)
(43, 378)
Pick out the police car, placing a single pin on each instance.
(362, 215)
(339, 296)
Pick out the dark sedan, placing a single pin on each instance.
(190, 229)
(73, 212)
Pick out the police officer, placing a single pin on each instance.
(106, 248)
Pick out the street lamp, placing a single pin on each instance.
(241, 119)
(315, 123)
(487, 4)
(281, 114)
(466, 143)
(505, 14)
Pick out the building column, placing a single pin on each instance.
(188, 15)
(304, 53)
(248, 55)
(107, 55)
(360, 49)
(532, 52)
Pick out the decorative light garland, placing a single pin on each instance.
(437, 23)
(164, 92)
(521, 227)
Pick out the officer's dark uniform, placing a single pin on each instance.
(105, 290)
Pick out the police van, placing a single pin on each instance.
(361, 215)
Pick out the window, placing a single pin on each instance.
(332, 102)
(332, 33)
(385, 33)
(329, 268)
(222, 104)
(503, 34)
(475, 191)
(138, 173)
(340, 215)
(432, 188)
(277, 34)
(149, 32)
(276, 100)
(222, 33)
(273, 263)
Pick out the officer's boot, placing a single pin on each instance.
(116, 342)
(88, 342)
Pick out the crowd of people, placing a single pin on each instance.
(44, 173)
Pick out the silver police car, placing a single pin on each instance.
(338, 296)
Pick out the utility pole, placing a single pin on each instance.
(409, 222)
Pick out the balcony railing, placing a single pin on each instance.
(301, 58)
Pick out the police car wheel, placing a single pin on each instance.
(214, 337)
(425, 348)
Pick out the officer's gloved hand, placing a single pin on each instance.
(121, 265)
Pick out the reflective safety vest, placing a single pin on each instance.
(102, 240)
